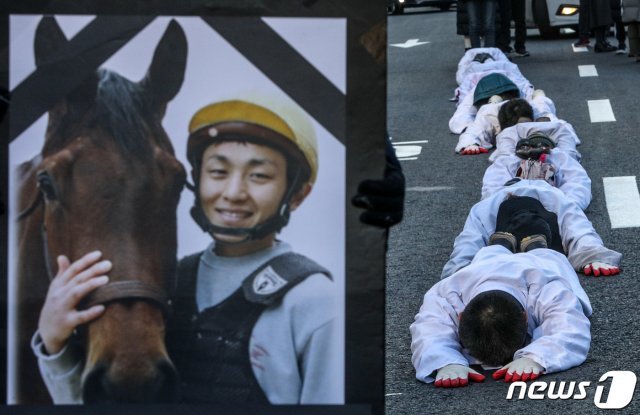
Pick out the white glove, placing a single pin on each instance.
(453, 376)
(523, 369)
(600, 268)
(538, 93)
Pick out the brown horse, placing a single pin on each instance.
(106, 180)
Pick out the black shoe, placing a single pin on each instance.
(604, 47)
(522, 52)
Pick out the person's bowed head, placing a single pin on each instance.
(492, 328)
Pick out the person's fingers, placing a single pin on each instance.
(605, 271)
(63, 263)
(95, 270)
(77, 293)
(455, 382)
(508, 377)
(526, 376)
(81, 265)
(464, 382)
(534, 376)
(516, 377)
(475, 376)
(483, 150)
(85, 316)
(446, 383)
(587, 270)
(438, 383)
(499, 373)
(615, 271)
(596, 272)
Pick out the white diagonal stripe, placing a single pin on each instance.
(600, 110)
(623, 201)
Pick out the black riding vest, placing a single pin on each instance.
(211, 349)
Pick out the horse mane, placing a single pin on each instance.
(124, 111)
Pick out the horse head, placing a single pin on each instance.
(107, 180)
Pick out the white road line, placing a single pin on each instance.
(393, 394)
(411, 142)
(623, 201)
(408, 158)
(407, 151)
(428, 189)
(600, 110)
(579, 48)
(587, 70)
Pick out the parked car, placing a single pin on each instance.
(551, 15)
(398, 6)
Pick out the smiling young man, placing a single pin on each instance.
(251, 322)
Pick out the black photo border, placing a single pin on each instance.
(365, 110)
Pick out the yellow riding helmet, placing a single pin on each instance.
(269, 122)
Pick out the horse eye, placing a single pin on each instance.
(46, 185)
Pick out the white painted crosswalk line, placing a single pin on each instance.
(407, 151)
(623, 201)
(579, 48)
(600, 110)
(410, 142)
(587, 70)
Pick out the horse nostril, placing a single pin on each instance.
(93, 390)
(159, 386)
(169, 390)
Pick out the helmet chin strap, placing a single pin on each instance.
(271, 225)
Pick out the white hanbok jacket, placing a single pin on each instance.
(485, 126)
(467, 65)
(559, 131)
(580, 241)
(571, 177)
(541, 280)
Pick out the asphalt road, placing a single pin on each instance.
(442, 187)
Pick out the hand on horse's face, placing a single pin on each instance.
(59, 317)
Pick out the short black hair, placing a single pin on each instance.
(512, 111)
(493, 327)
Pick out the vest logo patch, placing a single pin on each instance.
(267, 282)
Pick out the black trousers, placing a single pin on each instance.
(511, 10)
(517, 15)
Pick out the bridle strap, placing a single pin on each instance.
(122, 290)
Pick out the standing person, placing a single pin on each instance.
(616, 14)
(512, 10)
(482, 22)
(518, 17)
(584, 28)
(600, 20)
(503, 23)
(252, 321)
(631, 17)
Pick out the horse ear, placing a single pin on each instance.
(166, 73)
(48, 39)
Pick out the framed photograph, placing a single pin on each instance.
(210, 156)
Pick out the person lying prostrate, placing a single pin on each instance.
(524, 313)
(527, 204)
